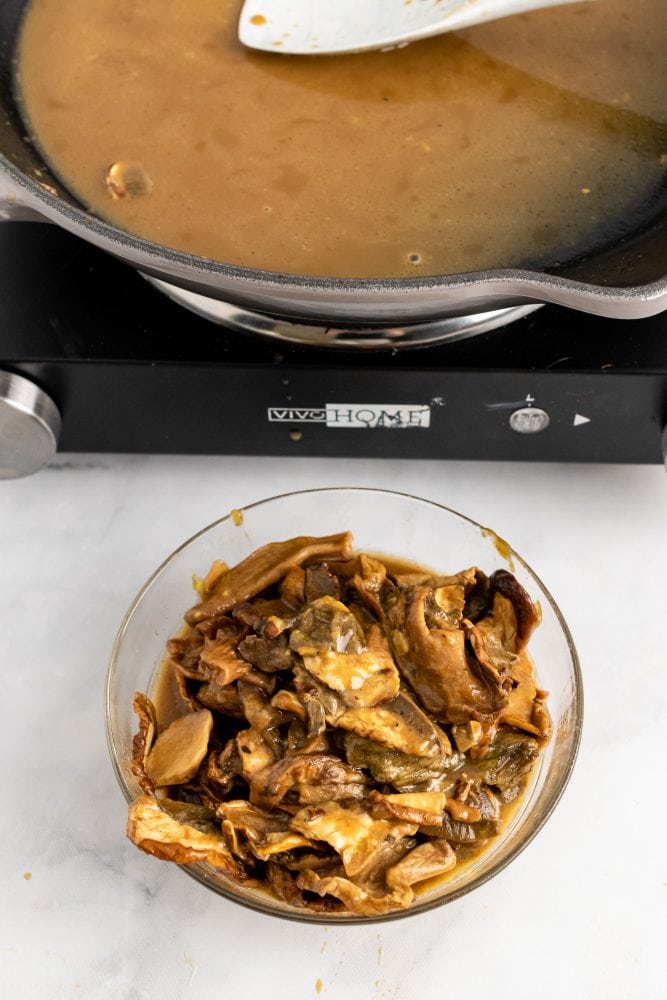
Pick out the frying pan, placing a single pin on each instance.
(625, 278)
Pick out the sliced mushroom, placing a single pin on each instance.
(435, 664)
(356, 837)
(335, 650)
(398, 723)
(156, 832)
(185, 649)
(449, 600)
(143, 740)
(413, 807)
(494, 641)
(462, 812)
(185, 699)
(267, 654)
(292, 587)
(285, 887)
(370, 582)
(467, 735)
(403, 771)
(309, 735)
(190, 813)
(224, 663)
(257, 708)
(222, 769)
(180, 749)
(270, 787)
(486, 803)
(428, 860)
(367, 901)
(267, 833)
(527, 614)
(326, 625)
(319, 581)
(220, 699)
(525, 706)
(264, 567)
(255, 753)
(510, 757)
(288, 701)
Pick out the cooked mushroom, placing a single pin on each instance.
(525, 705)
(367, 901)
(222, 769)
(319, 581)
(434, 662)
(404, 771)
(527, 614)
(293, 587)
(143, 740)
(334, 649)
(326, 625)
(423, 808)
(285, 887)
(128, 180)
(266, 654)
(220, 699)
(257, 708)
(360, 841)
(304, 730)
(307, 771)
(425, 861)
(224, 663)
(157, 833)
(288, 701)
(185, 649)
(179, 750)
(510, 757)
(398, 724)
(255, 753)
(467, 735)
(267, 833)
(370, 583)
(265, 567)
(494, 641)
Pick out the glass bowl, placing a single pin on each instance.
(394, 524)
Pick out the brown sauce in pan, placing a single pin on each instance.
(522, 140)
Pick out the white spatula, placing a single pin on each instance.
(327, 27)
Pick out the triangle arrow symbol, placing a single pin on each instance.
(578, 420)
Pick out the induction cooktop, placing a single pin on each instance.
(122, 368)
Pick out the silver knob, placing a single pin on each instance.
(29, 426)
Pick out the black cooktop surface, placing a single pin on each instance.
(132, 371)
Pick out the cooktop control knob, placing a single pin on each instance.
(29, 426)
(529, 420)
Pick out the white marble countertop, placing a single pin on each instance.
(581, 913)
